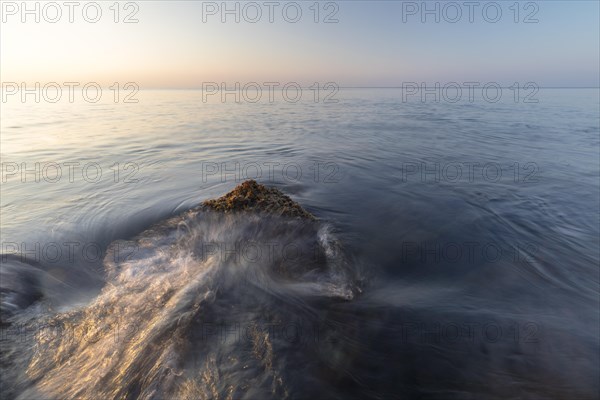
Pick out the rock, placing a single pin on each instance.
(254, 197)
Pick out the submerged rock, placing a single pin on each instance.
(252, 196)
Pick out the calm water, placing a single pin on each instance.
(462, 247)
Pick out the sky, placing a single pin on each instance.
(185, 44)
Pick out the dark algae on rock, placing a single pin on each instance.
(254, 197)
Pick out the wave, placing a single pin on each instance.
(203, 305)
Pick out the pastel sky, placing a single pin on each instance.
(371, 45)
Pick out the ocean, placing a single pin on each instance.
(459, 240)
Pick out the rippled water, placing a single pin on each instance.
(457, 249)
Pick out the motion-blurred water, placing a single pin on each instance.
(460, 242)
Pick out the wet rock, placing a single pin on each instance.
(254, 197)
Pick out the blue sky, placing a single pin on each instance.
(373, 44)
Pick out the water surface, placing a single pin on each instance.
(469, 230)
